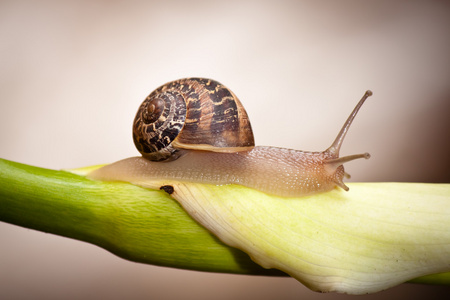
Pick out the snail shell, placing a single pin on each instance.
(191, 113)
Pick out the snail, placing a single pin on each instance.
(197, 130)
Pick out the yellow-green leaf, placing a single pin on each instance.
(371, 238)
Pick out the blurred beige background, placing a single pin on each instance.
(72, 76)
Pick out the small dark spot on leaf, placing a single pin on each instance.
(167, 188)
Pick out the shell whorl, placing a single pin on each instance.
(191, 113)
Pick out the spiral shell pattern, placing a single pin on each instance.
(191, 113)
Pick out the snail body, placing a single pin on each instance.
(273, 170)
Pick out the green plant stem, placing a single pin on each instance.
(134, 223)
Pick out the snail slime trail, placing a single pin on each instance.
(196, 130)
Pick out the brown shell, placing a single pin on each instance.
(191, 113)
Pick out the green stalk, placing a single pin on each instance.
(134, 223)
